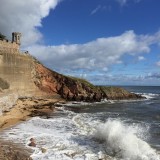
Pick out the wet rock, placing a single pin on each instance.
(13, 151)
(43, 150)
(32, 143)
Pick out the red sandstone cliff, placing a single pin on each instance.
(68, 87)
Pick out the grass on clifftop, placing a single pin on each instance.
(113, 89)
(83, 81)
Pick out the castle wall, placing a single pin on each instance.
(18, 70)
(8, 46)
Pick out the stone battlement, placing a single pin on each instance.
(8, 46)
(13, 46)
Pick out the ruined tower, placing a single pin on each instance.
(16, 37)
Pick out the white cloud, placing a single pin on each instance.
(158, 63)
(95, 55)
(155, 75)
(24, 16)
(124, 79)
(96, 9)
(141, 58)
(124, 2)
(100, 8)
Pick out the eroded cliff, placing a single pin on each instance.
(69, 88)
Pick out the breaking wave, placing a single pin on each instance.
(83, 137)
(150, 95)
(125, 142)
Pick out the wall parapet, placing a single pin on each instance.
(8, 46)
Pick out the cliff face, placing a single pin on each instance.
(23, 74)
(68, 87)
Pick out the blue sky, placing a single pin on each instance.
(108, 42)
(80, 21)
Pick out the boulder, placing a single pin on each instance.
(32, 143)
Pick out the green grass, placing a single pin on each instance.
(84, 81)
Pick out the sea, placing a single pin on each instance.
(107, 130)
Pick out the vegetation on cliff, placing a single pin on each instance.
(118, 93)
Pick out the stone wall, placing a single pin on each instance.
(8, 46)
(18, 70)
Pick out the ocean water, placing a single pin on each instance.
(111, 130)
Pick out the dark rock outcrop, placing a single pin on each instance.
(118, 93)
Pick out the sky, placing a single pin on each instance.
(108, 42)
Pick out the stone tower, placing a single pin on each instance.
(16, 37)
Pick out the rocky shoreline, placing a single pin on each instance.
(24, 109)
(13, 151)
(38, 89)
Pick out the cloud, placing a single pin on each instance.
(158, 63)
(95, 55)
(141, 58)
(153, 75)
(125, 2)
(100, 8)
(122, 2)
(96, 9)
(124, 79)
(25, 17)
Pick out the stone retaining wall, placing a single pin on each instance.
(17, 70)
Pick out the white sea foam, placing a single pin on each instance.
(81, 103)
(149, 95)
(124, 142)
(77, 137)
